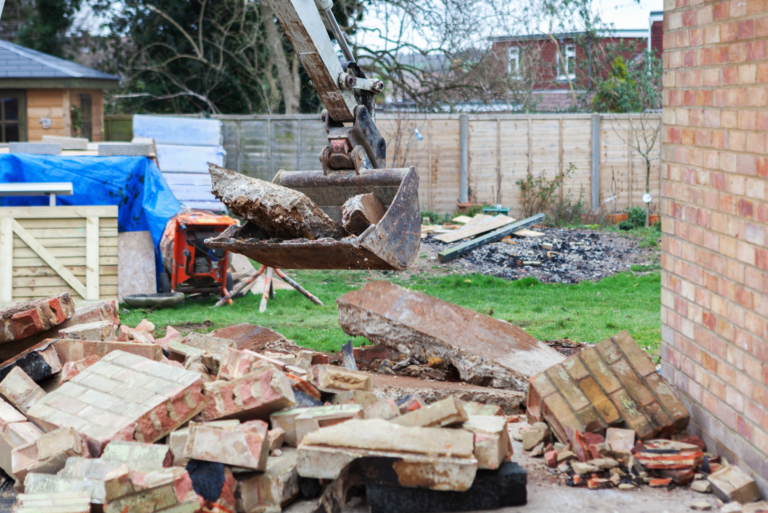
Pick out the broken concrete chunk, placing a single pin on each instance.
(243, 445)
(279, 211)
(236, 363)
(33, 316)
(253, 396)
(448, 412)
(39, 362)
(331, 379)
(16, 434)
(492, 442)
(620, 440)
(67, 502)
(178, 439)
(165, 490)
(485, 351)
(20, 390)
(122, 396)
(312, 419)
(361, 211)
(386, 409)
(138, 456)
(361, 397)
(286, 420)
(730, 483)
(611, 382)
(48, 454)
(276, 438)
(474, 408)
(95, 331)
(276, 487)
(491, 489)
(75, 350)
(435, 458)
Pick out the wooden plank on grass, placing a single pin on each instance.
(494, 236)
(482, 227)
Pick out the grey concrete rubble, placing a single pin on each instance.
(279, 211)
(485, 351)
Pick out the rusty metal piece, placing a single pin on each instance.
(391, 244)
(362, 136)
(485, 351)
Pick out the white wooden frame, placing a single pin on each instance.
(9, 226)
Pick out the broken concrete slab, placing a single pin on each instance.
(492, 442)
(94, 331)
(72, 502)
(48, 454)
(603, 385)
(20, 390)
(74, 350)
(273, 489)
(312, 419)
(33, 316)
(122, 397)
(447, 412)
(242, 445)
(484, 350)
(39, 362)
(400, 387)
(278, 211)
(252, 337)
(491, 489)
(361, 211)
(329, 378)
(253, 396)
(178, 439)
(435, 458)
(731, 483)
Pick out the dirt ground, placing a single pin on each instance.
(546, 496)
(576, 255)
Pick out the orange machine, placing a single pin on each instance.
(191, 266)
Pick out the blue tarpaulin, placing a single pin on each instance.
(134, 184)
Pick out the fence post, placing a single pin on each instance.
(464, 154)
(595, 162)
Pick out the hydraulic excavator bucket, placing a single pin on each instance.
(390, 244)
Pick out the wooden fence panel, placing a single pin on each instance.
(502, 149)
(50, 250)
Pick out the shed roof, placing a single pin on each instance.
(17, 62)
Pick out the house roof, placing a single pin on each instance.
(619, 33)
(17, 62)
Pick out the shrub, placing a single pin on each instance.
(537, 193)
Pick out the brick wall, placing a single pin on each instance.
(715, 218)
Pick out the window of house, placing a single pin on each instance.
(13, 127)
(514, 62)
(569, 67)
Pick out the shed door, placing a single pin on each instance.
(13, 116)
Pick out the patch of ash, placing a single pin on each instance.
(576, 256)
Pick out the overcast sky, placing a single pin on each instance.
(626, 14)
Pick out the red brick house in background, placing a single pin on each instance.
(544, 72)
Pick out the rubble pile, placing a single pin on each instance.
(104, 417)
(557, 256)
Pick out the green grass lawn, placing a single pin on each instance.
(587, 312)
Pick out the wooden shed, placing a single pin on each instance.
(44, 95)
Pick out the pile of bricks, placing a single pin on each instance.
(96, 411)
